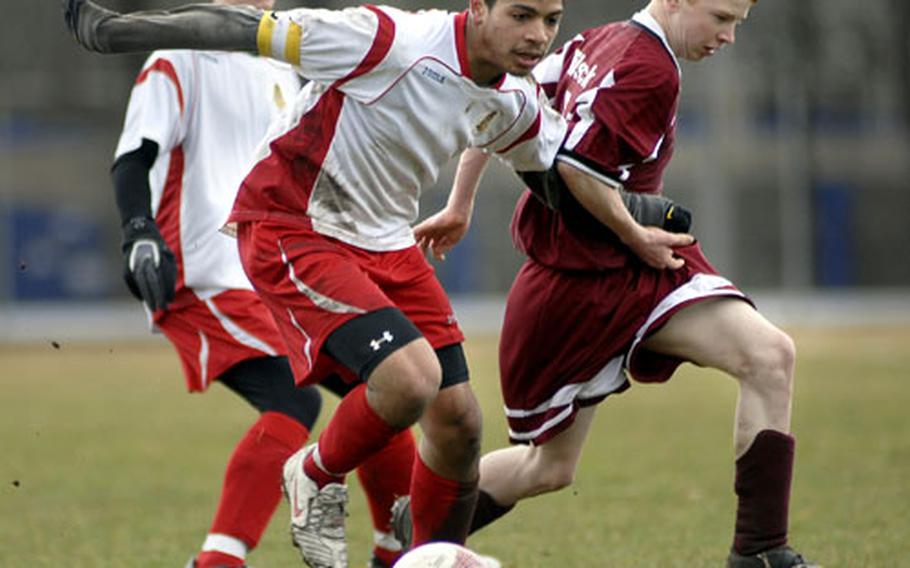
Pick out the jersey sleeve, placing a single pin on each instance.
(326, 45)
(535, 149)
(158, 105)
(625, 120)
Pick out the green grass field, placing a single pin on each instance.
(107, 462)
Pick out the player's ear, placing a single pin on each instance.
(672, 5)
(478, 11)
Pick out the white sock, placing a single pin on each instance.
(225, 544)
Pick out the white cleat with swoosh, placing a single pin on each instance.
(317, 515)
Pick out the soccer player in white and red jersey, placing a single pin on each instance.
(600, 294)
(323, 219)
(193, 123)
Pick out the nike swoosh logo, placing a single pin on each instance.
(297, 510)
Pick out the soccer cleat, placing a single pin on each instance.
(403, 529)
(317, 515)
(777, 557)
(82, 19)
(402, 525)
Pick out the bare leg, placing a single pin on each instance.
(198, 26)
(402, 387)
(730, 335)
(511, 474)
(452, 426)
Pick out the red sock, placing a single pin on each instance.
(252, 482)
(763, 476)
(441, 508)
(354, 433)
(385, 477)
(214, 559)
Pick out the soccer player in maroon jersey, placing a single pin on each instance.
(323, 219)
(600, 295)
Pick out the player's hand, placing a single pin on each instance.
(655, 247)
(439, 233)
(150, 269)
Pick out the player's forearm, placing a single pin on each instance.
(198, 26)
(470, 171)
(646, 209)
(130, 177)
(602, 201)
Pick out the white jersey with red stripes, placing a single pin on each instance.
(390, 102)
(208, 112)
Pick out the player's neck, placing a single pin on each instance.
(657, 11)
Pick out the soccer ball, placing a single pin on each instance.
(443, 555)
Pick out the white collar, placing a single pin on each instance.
(644, 18)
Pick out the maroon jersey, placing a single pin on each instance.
(618, 87)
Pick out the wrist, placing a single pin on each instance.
(140, 227)
(633, 235)
(630, 234)
(460, 215)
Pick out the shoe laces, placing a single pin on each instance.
(329, 510)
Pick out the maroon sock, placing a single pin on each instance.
(252, 482)
(441, 508)
(354, 433)
(763, 476)
(487, 511)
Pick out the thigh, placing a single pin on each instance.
(312, 285)
(410, 282)
(566, 446)
(714, 333)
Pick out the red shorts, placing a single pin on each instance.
(213, 335)
(568, 337)
(313, 284)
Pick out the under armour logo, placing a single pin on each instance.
(386, 338)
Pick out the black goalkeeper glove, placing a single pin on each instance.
(657, 211)
(149, 266)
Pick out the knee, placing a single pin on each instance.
(553, 474)
(407, 381)
(454, 426)
(466, 426)
(459, 425)
(768, 365)
(420, 382)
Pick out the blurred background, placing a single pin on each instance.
(793, 152)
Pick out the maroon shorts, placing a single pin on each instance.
(213, 335)
(568, 337)
(313, 284)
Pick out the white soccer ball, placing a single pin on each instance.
(443, 555)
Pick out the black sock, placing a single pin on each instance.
(487, 511)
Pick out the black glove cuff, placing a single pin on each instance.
(140, 228)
